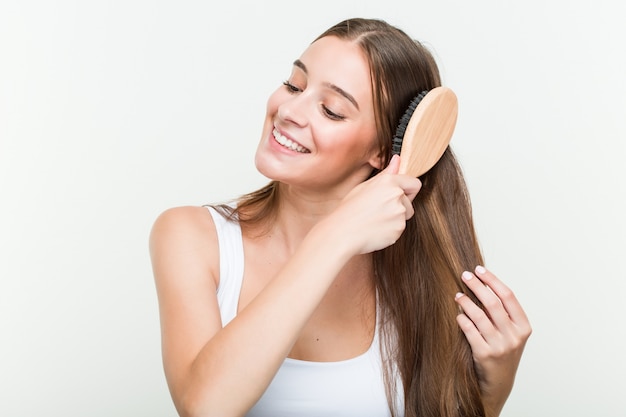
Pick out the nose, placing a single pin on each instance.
(295, 110)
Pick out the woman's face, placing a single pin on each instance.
(319, 130)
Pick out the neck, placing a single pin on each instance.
(299, 210)
(295, 210)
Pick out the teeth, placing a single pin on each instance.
(288, 143)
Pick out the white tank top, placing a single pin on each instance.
(348, 388)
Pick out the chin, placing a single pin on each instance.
(265, 167)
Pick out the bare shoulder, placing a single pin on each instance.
(184, 219)
(182, 236)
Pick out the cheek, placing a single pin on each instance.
(357, 142)
(368, 147)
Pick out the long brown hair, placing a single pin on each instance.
(417, 277)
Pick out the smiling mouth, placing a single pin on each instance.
(288, 143)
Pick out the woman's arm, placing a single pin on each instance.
(215, 371)
(222, 372)
(497, 335)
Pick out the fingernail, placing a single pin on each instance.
(467, 275)
(458, 295)
(480, 269)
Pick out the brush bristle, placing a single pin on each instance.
(396, 145)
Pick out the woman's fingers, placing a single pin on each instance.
(499, 302)
(373, 214)
(467, 325)
(497, 333)
(393, 167)
(494, 312)
(501, 322)
(507, 298)
(411, 186)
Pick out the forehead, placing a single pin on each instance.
(339, 62)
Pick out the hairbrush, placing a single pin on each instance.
(425, 130)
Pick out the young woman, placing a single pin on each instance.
(341, 288)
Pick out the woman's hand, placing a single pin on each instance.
(373, 214)
(497, 335)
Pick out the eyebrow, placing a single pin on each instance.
(341, 91)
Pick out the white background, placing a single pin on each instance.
(112, 111)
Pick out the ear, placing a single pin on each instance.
(377, 160)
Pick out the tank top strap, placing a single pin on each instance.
(231, 264)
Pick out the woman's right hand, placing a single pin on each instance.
(373, 215)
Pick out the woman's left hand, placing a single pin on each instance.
(497, 334)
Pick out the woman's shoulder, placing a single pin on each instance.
(188, 220)
(183, 234)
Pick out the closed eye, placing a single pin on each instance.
(331, 114)
(291, 89)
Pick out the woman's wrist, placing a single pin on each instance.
(327, 232)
